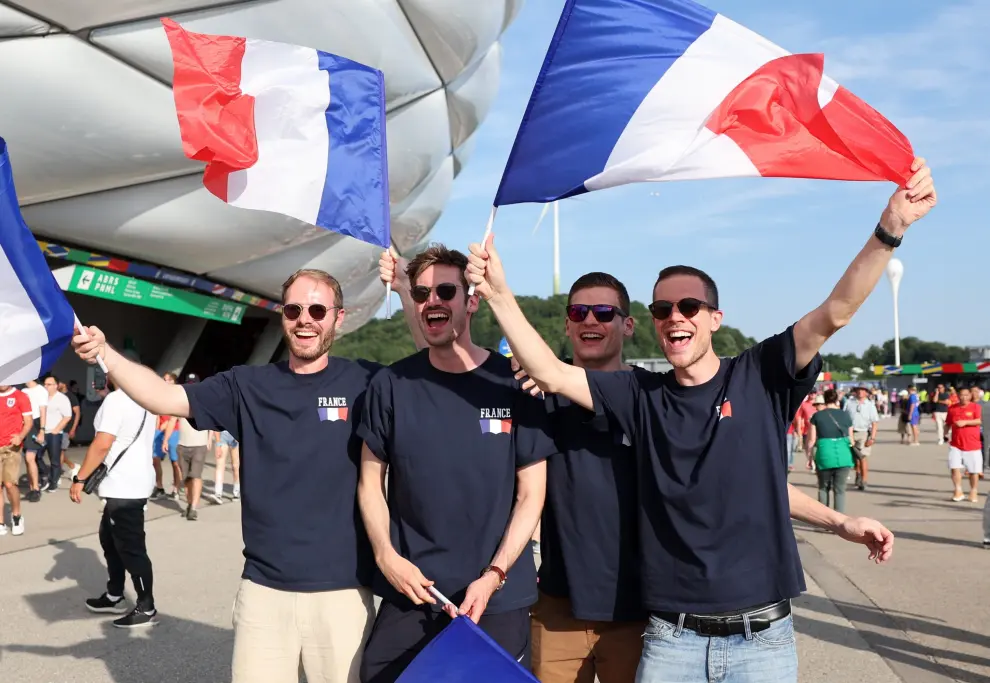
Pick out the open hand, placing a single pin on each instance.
(870, 533)
(406, 578)
(484, 270)
(477, 596)
(911, 202)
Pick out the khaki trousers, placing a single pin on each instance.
(278, 633)
(569, 650)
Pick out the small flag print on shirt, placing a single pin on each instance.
(496, 426)
(333, 414)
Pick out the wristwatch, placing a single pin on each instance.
(885, 237)
(77, 480)
(501, 575)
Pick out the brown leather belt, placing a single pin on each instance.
(732, 624)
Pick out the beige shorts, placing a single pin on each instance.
(191, 461)
(10, 464)
(859, 444)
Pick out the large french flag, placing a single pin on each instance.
(656, 90)
(36, 320)
(285, 128)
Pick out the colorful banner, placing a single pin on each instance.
(932, 368)
(129, 290)
(156, 274)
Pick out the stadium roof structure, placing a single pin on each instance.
(94, 142)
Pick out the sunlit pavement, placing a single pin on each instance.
(923, 617)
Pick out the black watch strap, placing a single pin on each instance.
(885, 237)
(77, 480)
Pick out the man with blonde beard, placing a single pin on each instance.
(304, 596)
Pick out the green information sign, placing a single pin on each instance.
(129, 290)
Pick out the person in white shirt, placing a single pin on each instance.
(58, 414)
(33, 442)
(865, 420)
(124, 438)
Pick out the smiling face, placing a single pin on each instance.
(596, 343)
(442, 322)
(52, 385)
(309, 339)
(684, 341)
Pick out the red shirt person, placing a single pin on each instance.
(15, 422)
(965, 448)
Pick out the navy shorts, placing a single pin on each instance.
(401, 633)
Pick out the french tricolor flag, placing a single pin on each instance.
(656, 90)
(496, 426)
(333, 414)
(285, 128)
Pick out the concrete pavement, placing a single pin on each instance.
(923, 618)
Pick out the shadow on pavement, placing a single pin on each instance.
(84, 567)
(174, 650)
(903, 650)
(939, 540)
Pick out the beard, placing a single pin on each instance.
(701, 348)
(321, 348)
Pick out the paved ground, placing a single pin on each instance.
(924, 618)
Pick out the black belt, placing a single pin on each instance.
(732, 624)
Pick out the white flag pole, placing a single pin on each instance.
(440, 596)
(488, 232)
(82, 333)
(388, 301)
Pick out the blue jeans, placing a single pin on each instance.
(53, 448)
(677, 655)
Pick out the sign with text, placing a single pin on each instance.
(129, 290)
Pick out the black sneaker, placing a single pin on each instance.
(104, 605)
(157, 493)
(52, 487)
(34, 496)
(137, 618)
(986, 544)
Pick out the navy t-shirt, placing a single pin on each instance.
(300, 456)
(589, 544)
(715, 528)
(453, 443)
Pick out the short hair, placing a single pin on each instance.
(711, 290)
(320, 276)
(167, 375)
(830, 396)
(51, 376)
(437, 255)
(597, 279)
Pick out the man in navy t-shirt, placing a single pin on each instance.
(304, 595)
(463, 449)
(718, 556)
(589, 619)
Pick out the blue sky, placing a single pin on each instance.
(776, 247)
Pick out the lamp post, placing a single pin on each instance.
(895, 271)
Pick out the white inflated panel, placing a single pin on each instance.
(470, 96)
(82, 121)
(372, 32)
(512, 8)
(79, 14)
(14, 23)
(418, 142)
(413, 220)
(343, 257)
(455, 33)
(363, 298)
(174, 222)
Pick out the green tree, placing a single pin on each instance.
(386, 341)
(914, 350)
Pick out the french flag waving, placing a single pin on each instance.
(656, 90)
(285, 128)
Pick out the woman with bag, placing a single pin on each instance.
(832, 433)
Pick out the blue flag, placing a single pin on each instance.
(463, 653)
(503, 348)
(36, 320)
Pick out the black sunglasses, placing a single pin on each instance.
(446, 291)
(316, 311)
(688, 307)
(604, 313)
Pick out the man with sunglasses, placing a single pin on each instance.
(464, 451)
(589, 619)
(718, 555)
(304, 595)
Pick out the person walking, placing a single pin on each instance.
(16, 422)
(226, 445)
(167, 446)
(35, 441)
(58, 415)
(964, 420)
(865, 420)
(709, 441)
(940, 410)
(832, 434)
(124, 434)
(194, 446)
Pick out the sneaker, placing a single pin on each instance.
(157, 493)
(237, 491)
(104, 605)
(3, 529)
(216, 498)
(52, 487)
(18, 525)
(33, 496)
(986, 544)
(75, 472)
(137, 618)
(191, 514)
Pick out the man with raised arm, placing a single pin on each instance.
(304, 595)
(719, 560)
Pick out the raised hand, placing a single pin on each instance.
(90, 344)
(484, 270)
(913, 201)
(392, 269)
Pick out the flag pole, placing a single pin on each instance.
(488, 232)
(388, 301)
(82, 333)
(440, 596)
